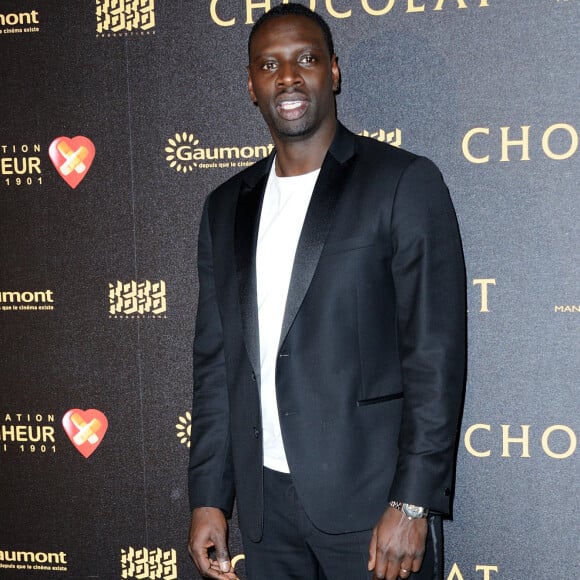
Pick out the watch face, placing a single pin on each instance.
(413, 511)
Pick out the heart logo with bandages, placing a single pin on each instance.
(85, 429)
(72, 158)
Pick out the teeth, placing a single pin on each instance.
(290, 105)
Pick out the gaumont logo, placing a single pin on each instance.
(72, 158)
(19, 22)
(85, 429)
(33, 561)
(184, 153)
(184, 429)
(223, 14)
(26, 300)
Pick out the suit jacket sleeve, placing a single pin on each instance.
(210, 466)
(429, 277)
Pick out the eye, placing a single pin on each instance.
(269, 65)
(306, 59)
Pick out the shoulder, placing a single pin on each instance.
(380, 156)
(388, 156)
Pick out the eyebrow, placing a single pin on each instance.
(265, 53)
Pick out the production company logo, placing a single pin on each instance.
(33, 562)
(27, 300)
(19, 22)
(72, 158)
(125, 17)
(184, 429)
(31, 433)
(394, 138)
(149, 564)
(183, 154)
(85, 429)
(137, 299)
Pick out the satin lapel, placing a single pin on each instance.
(245, 239)
(329, 187)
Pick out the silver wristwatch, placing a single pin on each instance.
(413, 512)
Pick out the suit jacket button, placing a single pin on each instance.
(447, 492)
(254, 377)
(256, 432)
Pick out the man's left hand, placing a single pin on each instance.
(397, 545)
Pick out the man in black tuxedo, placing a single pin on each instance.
(330, 339)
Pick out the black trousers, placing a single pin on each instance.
(292, 548)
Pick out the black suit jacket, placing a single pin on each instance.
(371, 357)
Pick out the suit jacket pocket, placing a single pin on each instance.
(376, 400)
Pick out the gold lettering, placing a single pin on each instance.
(571, 435)
(467, 440)
(21, 433)
(455, 573)
(380, 11)
(486, 570)
(573, 141)
(250, 5)
(484, 282)
(216, 18)
(412, 8)
(465, 145)
(506, 143)
(460, 4)
(524, 440)
(332, 11)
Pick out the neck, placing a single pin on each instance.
(297, 157)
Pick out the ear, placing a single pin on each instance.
(335, 72)
(251, 87)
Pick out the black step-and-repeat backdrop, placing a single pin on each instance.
(117, 117)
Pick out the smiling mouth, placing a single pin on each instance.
(291, 110)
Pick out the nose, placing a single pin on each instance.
(288, 75)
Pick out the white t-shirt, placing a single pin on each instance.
(284, 208)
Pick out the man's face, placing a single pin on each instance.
(292, 77)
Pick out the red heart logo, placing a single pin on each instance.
(85, 429)
(72, 158)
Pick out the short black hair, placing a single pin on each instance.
(294, 9)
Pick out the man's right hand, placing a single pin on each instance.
(209, 530)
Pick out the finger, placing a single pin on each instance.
(406, 569)
(212, 571)
(392, 571)
(373, 551)
(215, 566)
(417, 562)
(223, 556)
(381, 569)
